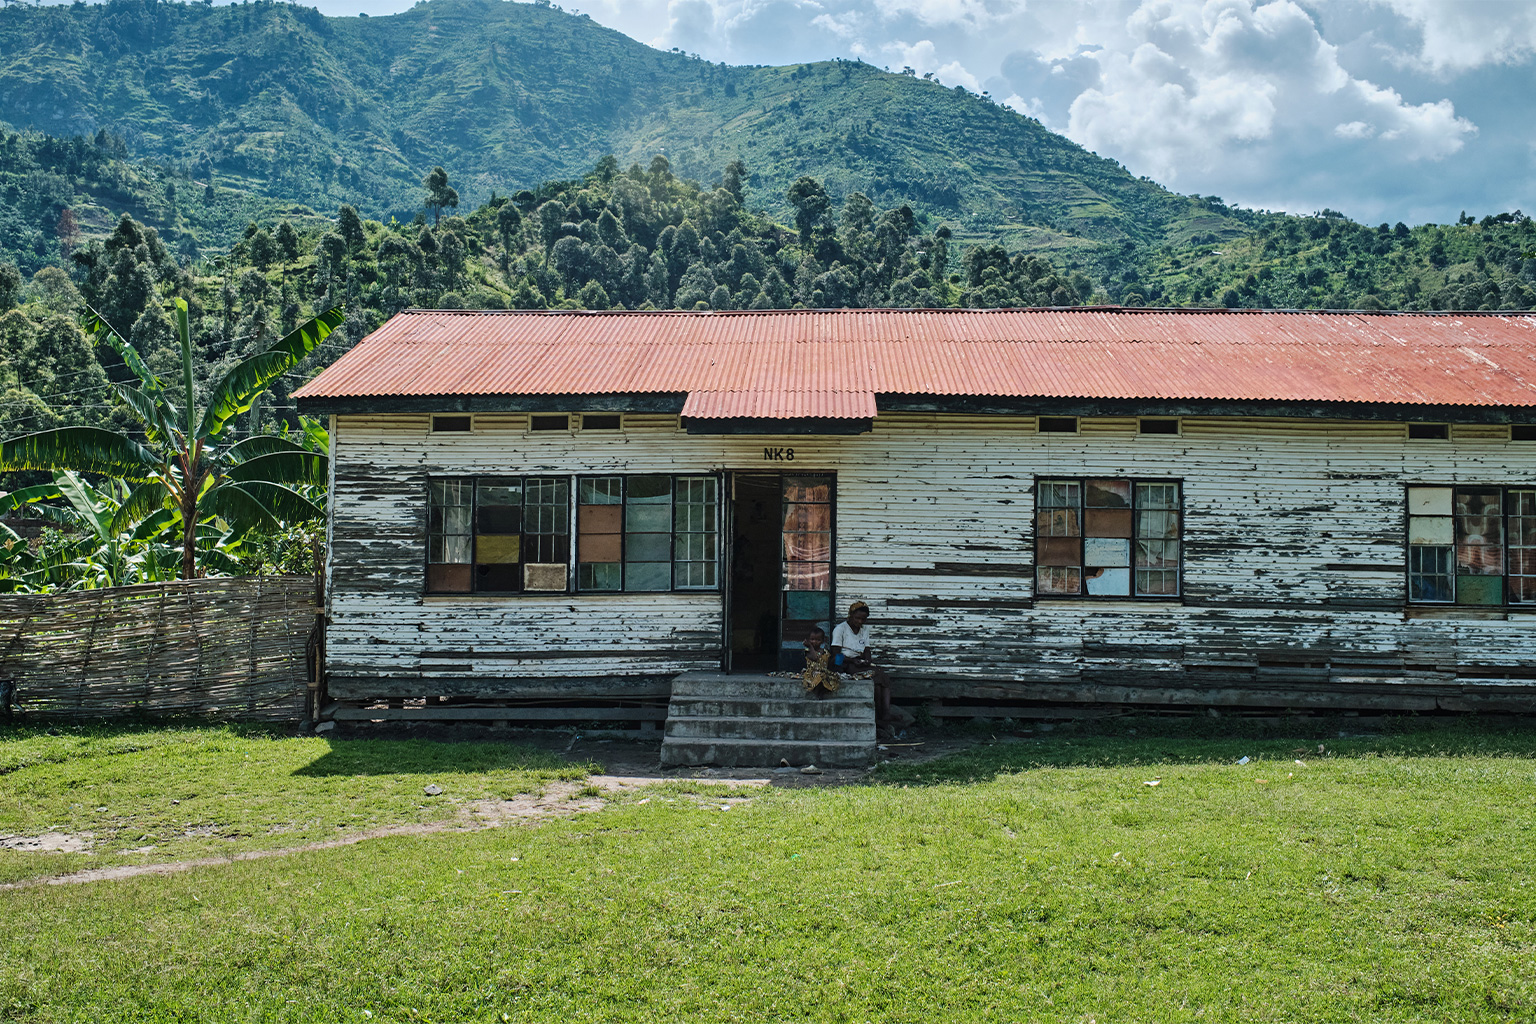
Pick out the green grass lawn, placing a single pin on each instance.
(1389, 879)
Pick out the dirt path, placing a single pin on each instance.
(626, 765)
(556, 800)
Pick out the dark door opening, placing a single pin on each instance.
(781, 568)
(754, 600)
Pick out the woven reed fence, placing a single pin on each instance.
(239, 649)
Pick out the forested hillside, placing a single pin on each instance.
(644, 238)
(274, 100)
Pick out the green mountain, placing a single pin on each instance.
(276, 101)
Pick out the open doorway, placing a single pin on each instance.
(781, 567)
(754, 579)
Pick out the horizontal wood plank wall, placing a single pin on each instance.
(1293, 579)
(231, 649)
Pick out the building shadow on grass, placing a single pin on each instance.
(1185, 742)
(426, 757)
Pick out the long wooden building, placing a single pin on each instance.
(1169, 507)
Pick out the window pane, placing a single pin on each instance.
(1157, 582)
(807, 488)
(545, 577)
(449, 515)
(1429, 501)
(497, 578)
(648, 547)
(1150, 496)
(800, 517)
(695, 540)
(498, 549)
(1060, 494)
(1108, 494)
(650, 518)
(1429, 574)
(808, 547)
(1058, 551)
(500, 492)
(647, 575)
(1479, 538)
(650, 490)
(1479, 590)
(1057, 522)
(1108, 582)
(1521, 588)
(1106, 551)
(1162, 525)
(1157, 554)
(602, 490)
(1109, 522)
(807, 576)
(1434, 530)
(1058, 580)
(599, 576)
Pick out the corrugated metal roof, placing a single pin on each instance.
(832, 363)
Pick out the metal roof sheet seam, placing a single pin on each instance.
(847, 356)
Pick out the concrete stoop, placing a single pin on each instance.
(759, 721)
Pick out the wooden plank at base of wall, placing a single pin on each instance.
(506, 714)
(1391, 698)
(352, 688)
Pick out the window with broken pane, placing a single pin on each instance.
(1107, 537)
(1471, 545)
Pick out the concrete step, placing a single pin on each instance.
(775, 730)
(759, 720)
(818, 708)
(736, 753)
(718, 684)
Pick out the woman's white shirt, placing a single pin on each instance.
(851, 642)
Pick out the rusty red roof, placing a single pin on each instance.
(832, 363)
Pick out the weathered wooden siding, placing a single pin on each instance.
(1293, 578)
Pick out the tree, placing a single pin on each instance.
(262, 249)
(186, 465)
(813, 209)
(350, 226)
(734, 179)
(10, 285)
(287, 242)
(440, 196)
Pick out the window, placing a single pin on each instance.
(450, 424)
(1057, 424)
(1107, 538)
(498, 535)
(1472, 545)
(1157, 425)
(601, 421)
(1522, 431)
(549, 422)
(647, 533)
(1429, 431)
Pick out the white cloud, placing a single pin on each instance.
(1458, 35)
(923, 58)
(945, 12)
(1194, 86)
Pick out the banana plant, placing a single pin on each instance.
(186, 466)
(97, 546)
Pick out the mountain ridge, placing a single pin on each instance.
(281, 101)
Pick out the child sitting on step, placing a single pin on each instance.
(819, 680)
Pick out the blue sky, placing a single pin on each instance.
(1386, 110)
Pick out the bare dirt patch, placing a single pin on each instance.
(48, 842)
